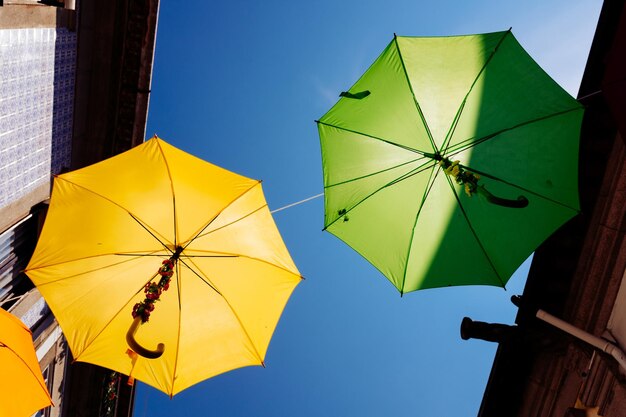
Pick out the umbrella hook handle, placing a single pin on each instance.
(140, 350)
(463, 176)
(520, 202)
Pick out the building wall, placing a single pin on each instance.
(617, 322)
(50, 345)
(579, 273)
(65, 89)
(36, 107)
(38, 66)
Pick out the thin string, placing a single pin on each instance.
(297, 203)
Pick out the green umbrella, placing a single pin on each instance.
(450, 160)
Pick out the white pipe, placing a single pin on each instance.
(602, 344)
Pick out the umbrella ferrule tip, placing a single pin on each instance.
(436, 156)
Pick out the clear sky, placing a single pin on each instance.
(239, 84)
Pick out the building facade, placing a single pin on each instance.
(579, 274)
(74, 90)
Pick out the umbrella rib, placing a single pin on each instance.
(93, 339)
(228, 224)
(431, 181)
(484, 174)
(374, 137)
(210, 256)
(150, 232)
(455, 122)
(372, 174)
(29, 370)
(243, 328)
(87, 257)
(180, 313)
(237, 255)
(207, 281)
(417, 105)
(480, 244)
(169, 175)
(203, 228)
(471, 142)
(139, 255)
(409, 174)
(141, 222)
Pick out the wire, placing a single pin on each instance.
(297, 203)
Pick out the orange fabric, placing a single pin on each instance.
(22, 388)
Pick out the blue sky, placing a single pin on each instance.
(239, 84)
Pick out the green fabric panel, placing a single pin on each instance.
(380, 228)
(511, 235)
(512, 90)
(389, 112)
(539, 157)
(516, 127)
(356, 166)
(444, 250)
(441, 71)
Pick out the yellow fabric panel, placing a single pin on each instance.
(72, 232)
(209, 325)
(245, 228)
(104, 239)
(86, 295)
(202, 190)
(136, 180)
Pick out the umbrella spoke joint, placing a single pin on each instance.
(436, 156)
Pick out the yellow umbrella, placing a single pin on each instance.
(22, 388)
(155, 234)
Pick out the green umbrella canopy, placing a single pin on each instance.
(393, 189)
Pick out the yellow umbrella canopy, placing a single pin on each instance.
(22, 388)
(157, 235)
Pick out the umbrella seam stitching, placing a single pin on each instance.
(417, 105)
(256, 351)
(113, 317)
(409, 174)
(180, 315)
(159, 255)
(137, 219)
(408, 148)
(226, 225)
(31, 371)
(84, 258)
(457, 117)
(252, 258)
(520, 188)
(207, 281)
(189, 241)
(151, 234)
(480, 244)
(424, 197)
(371, 174)
(460, 147)
(169, 175)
